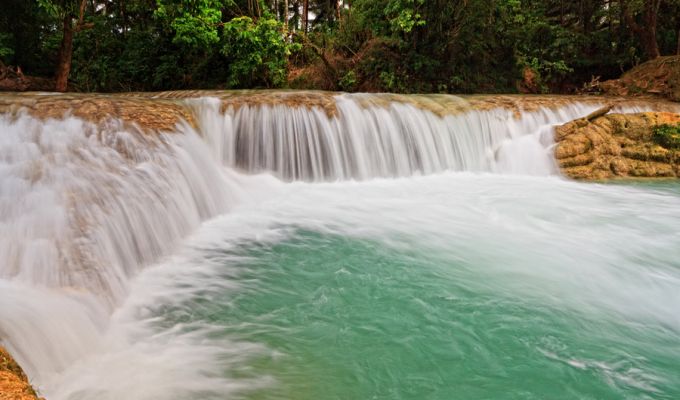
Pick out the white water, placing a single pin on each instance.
(369, 142)
(84, 208)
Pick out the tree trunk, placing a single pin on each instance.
(678, 29)
(122, 16)
(647, 32)
(649, 43)
(66, 48)
(295, 21)
(65, 54)
(305, 16)
(285, 13)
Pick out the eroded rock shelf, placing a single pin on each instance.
(616, 146)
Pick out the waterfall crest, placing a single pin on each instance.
(363, 141)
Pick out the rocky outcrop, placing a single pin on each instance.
(147, 113)
(13, 382)
(616, 146)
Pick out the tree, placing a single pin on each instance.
(646, 30)
(67, 11)
(305, 16)
(387, 45)
(257, 52)
(286, 13)
(194, 23)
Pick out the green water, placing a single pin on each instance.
(353, 319)
(451, 287)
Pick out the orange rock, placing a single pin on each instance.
(616, 146)
(14, 384)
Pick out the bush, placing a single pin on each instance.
(349, 81)
(5, 49)
(257, 51)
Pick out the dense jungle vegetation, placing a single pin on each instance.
(458, 46)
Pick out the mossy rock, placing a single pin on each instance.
(667, 136)
(644, 145)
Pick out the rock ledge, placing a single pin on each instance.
(616, 146)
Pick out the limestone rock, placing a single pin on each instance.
(146, 113)
(616, 146)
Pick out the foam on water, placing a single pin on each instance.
(591, 257)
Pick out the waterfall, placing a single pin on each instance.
(107, 199)
(373, 141)
(85, 206)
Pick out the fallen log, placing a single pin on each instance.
(598, 113)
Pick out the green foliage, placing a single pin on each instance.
(54, 8)
(546, 70)
(667, 136)
(390, 81)
(194, 22)
(457, 46)
(348, 82)
(257, 52)
(5, 50)
(544, 47)
(404, 15)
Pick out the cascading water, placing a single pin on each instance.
(103, 198)
(456, 285)
(396, 140)
(83, 209)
